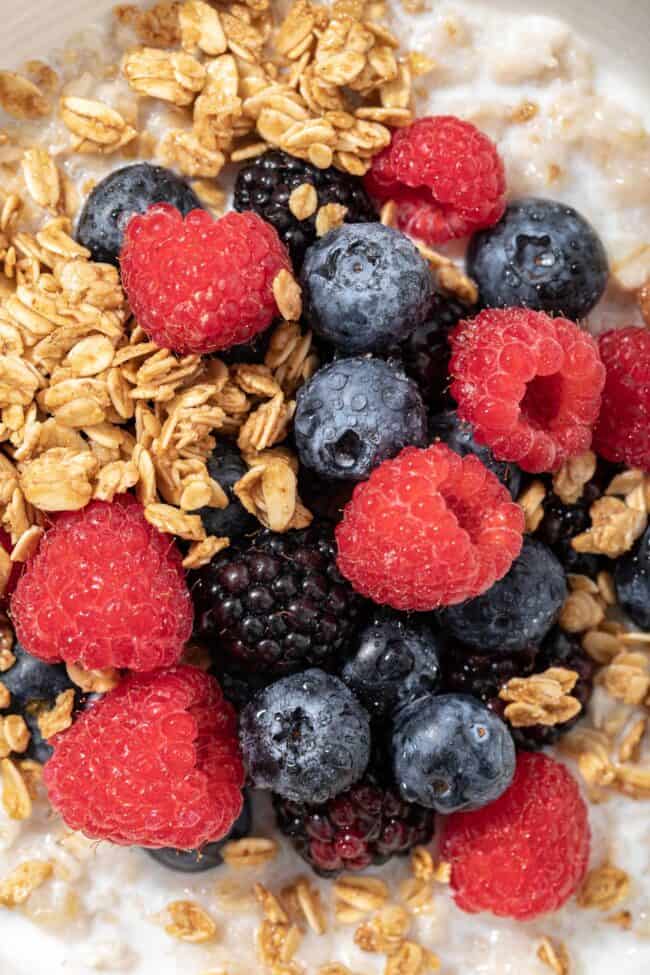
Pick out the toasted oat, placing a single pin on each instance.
(5, 696)
(96, 126)
(201, 28)
(16, 800)
(601, 646)
(385, 933)
(409, 959)
(554, 954)
(287, 294)
(278, 943)
(627, 677)
(329, 217)
(32, 775)
(188, 921)
(185, 151)
(27, 544)
(541, 699)
(581, 611)
(615, 528)
(267, 425)
(273, 910)
(417, 895)
(93, 681)
(422, 865)
(200, 553)
(630, 745)
(171, 520)
(172, 76)
(643, 301)
(59, 479)
(42, 178)
(531, 501)
(622, 919)
(23, 881)
(15, 733)
(7, 658)
(334, 968)
(604, 887)
(303, 201)
(21, 98)
(362, 893)
(569, 482)
(59, 717)
(250, 852)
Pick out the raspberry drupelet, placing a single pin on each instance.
(622, 430)
(445, 176)
(525, 854)
(428, 529)
(154, 763)
(530, 385)
(197, 284)
(105, 589)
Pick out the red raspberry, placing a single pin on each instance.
(446, 177)
(105, 589)
(154, 763)
(526, 853)
(428, 529)
(530, 385)
(13, 574)
(196, 284)
(621, 433)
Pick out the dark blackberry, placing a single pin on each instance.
(278, 604)
(483, 676)
(266, 183)
(425, 353)
(632, 577)
(365, 826)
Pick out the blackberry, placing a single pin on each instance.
(483, 676)
(305, 737)
(365, 826)
(542, 255)
(207, 858)
(355, 413)
(226, 466)
(125, 191)
(425, 353)
(365, 287)
(632, 577)
(458, 435)
(277, 604)
(265, 185)
(451, 753)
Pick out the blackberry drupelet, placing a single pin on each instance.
(278, 604)
(426, 352)
(483, 676)
(266, 183)
(365, 826)
(632, 577)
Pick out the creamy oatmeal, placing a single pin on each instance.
(566, 129)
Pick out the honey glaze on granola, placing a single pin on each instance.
(195, 92)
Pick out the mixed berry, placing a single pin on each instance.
(360, 668)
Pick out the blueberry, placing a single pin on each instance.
(34, 686)
(516, 612)
(306, 737)
(542, 255)
(209, 857)
(226, 467)
(632, 577)
(365, 287)
(395, 662)
(451, 753)
(457, 435)
(355, 413)
(132, 189)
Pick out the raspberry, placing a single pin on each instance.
(159, 762)
(428, 529)
(445, 176)
(622, 430)
(368, 824)
(105, 589)
(530, 385)
(526, 853)
(196, 284)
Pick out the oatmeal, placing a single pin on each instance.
(97, 409)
